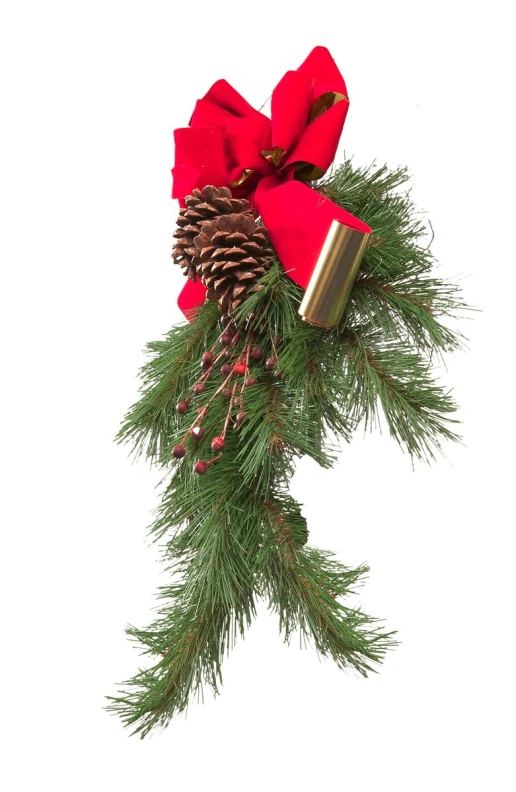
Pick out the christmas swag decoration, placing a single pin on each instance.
(312, 307)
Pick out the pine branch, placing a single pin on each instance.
(235, 534)
(408, 310)
(150, 422)
(154, 695)
(391, 376)
(304, 586)
(201, 617)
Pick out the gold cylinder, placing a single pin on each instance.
(334, 275)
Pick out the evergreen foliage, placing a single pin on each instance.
(235, 534)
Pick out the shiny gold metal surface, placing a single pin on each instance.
(245, 175)
(305, 172)
(324, 102)
(274, 156)
(334, 275)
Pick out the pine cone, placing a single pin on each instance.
(201, 207)
(234, 252)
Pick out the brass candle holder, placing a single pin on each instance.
(334, 275)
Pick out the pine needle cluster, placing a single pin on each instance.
(236, 535)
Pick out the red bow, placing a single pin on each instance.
(229, 143)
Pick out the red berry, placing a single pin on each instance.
(241, 416)
(200, 467)
(228, 353)
(250, 381)
(225, 320)
(178, 452)
(197, 432)
(226, 369)
(239, 369)
(217, 444)
(199, 388)
(270, 363)
(207, 357)
(257, 353)
(227, 392)
(181, 407)
(225, 339)
(205, 366)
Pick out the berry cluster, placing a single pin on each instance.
(231, 356)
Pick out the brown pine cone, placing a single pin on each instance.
(201, 207)
(234, 252)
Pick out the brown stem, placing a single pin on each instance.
(282, 531)
(213, 460)
(206, 374)
(246, 352)
(234, 340)
(230, 409)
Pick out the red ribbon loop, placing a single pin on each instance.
(229, 143)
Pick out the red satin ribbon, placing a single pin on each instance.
(227, 144)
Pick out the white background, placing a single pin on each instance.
(91, 92)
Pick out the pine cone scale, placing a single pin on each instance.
(219, 237)
(230, 253)
(193, 214)
(236, 238)
(223, 205)
(243, 276)
(207, 209)
(252, 247)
